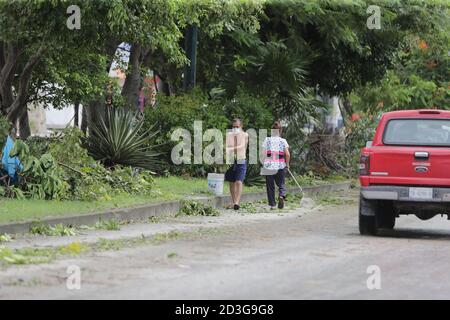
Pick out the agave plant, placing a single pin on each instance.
(253, 176)
(117, 139)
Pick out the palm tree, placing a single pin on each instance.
(280, 74)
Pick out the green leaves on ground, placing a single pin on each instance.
(5, 238)
(110, 225)
(39, 255)
(195, 208)
(57, 230)
(74, 175)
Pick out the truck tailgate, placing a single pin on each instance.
(410, 165)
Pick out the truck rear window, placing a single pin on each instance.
(417, 132)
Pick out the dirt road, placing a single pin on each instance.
(319, 255)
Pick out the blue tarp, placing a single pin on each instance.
(10, 164)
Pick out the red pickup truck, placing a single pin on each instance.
(405, 169)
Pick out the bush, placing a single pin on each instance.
(253, 111)
(42, 176)
(39, 145)
(88, 179)
(66, 171)
(172, 112)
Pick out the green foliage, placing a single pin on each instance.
(118, 140)
(38, 145)
(41, 175)
(393, 93)
(39, 255)
(73, 249)
(111, 225)
(419, 77)
(253, 176)
(279, 75)
(4, 131)
(88, 179)
(68, 149)
(195, 208)
(357, 133)
(182, 111)
(57, 230)
(75, 175)
(254, 110)
(5, 238)
(9, 256)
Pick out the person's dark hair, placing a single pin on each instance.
(277, 126)
(236, 120)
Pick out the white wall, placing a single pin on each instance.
(58, 119)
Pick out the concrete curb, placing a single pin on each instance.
(155, 209)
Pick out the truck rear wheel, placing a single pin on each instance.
(367, 214)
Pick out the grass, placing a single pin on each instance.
(17, 210)
(166, 189)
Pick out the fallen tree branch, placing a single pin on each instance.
(70, 168)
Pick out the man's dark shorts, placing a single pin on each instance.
(236, 172)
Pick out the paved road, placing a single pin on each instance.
(316, 256)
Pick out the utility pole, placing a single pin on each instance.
(191, 53)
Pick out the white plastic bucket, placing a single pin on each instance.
(215, 183)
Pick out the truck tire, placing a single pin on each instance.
(367, 215)
(385, 216)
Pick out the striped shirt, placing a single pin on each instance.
(274, 147)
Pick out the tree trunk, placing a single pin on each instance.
(9, 53)
(84, 123)
(190, 46)
(167, 72)
(132, 85)
(76, 109)
(343, 112)
(94, 109)
(24, 125)
(18, 107)
(348, 106)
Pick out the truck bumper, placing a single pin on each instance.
(400, 193)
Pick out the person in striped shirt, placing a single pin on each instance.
(277, 157)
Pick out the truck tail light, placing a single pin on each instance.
(364, 165)
(429, 112)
